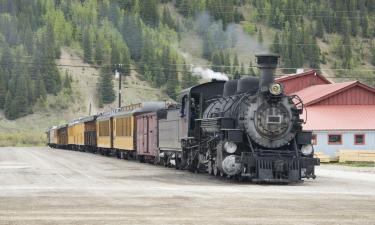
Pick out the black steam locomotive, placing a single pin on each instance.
(246, 128)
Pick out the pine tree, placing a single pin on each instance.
(216, 62)
(242, 70)
(373, 56)
(276, 48)
(365, 25)
(6, 63)
(99, 51)
(251, 71)
(235, 65)
(167, 18)
(355, 23)
(107, 94)
(227, 64)
(9, 108)
(21, 97)
(149, 12)
(87, 46)
(319, 30)
(315, 55)
(188, 79)
(67, 84)
(3, 90)
(172, 81)
(40, 89)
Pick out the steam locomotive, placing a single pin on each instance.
(244, 129)
(251, 131)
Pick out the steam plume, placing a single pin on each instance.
(209, 74)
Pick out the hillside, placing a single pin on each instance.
(29, 130)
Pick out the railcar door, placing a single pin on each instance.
(152, 132)
(145, 134)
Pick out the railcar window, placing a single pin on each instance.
(120, 127)
(334, 139)
(104, 128)
(359, 139)
(123, 127)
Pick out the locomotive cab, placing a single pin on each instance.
(195, 100)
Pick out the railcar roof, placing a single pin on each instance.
(144, 107)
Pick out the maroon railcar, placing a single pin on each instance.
(147, 137)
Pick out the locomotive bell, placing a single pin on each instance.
(267, 64)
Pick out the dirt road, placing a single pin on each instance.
(44, 186)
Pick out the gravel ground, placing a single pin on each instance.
(44, 186)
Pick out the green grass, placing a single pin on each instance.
(359, 164)
(22, 139)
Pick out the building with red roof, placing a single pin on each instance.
(341, 115)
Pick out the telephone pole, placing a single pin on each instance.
(119, 90)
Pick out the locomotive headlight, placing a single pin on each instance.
(307, 150)
(230, 147)
(276, 89)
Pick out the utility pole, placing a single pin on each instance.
(119, 86)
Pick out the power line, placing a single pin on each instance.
(181, 64)
(295, 15)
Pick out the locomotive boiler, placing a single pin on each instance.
(252, 131)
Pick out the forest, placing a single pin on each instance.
(144, 35)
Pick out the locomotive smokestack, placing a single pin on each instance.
(267, 65)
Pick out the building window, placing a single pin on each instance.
(359, 139)
(334, 139)
(314, 140)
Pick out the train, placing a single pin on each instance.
(246, 129)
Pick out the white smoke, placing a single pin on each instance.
(209, 74)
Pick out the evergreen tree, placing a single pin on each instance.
(188, 79)
(21, 104)
(227, 64)
(373, 56)
(276, 48)
(315, 55)
(167, 18)
(40, 89)
(319, 30)
(242, 70)
(9, 108)
(216, 62)
(365, 25)
(235, 65)
(347, 53)
(87, 46)
(149, 12)
(6, 63)
(251, 71)
(3, 90)
(107, 93)
(99, 51)
(172, 81)
(67, 84)
(355, 23)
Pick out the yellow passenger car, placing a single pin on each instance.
(104, 134)
(123, 134)
(125, 127)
